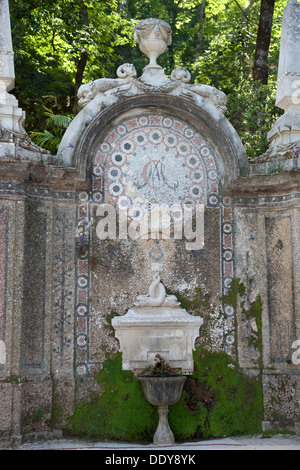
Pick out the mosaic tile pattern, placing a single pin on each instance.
(228, 272)
(154, 159)
(63, 289)
(3, 272)
(83, 291)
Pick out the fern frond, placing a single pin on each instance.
(58, 120)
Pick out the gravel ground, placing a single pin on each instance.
(280, 442)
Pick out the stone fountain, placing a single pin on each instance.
(157, 339)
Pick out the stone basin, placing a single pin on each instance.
(162, 392)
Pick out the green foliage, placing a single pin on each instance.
(229, 45)
(51, 37)
(252, 112)
(50, 139)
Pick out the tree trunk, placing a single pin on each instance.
(83, 58)
(80, 69)
(201, 29)
(260, 68)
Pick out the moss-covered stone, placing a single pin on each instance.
(218, 400)
(120, 412)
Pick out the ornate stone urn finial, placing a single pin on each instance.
(153, 37)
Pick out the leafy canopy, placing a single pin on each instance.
(51, 37)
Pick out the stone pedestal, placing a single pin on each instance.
(286, 131)
(145, 332)
(163, 392)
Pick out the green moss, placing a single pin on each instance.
(237, 289)
(217, 401)
(218, 398)
(255, 312)
(196, 303)
(121, 412)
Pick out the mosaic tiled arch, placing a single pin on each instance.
(155, 159)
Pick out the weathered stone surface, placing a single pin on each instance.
(146, 145)
(156, 325)
(280, 401)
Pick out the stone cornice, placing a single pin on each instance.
(262, 185)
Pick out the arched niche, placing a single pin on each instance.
(206, 120)
(123, 268)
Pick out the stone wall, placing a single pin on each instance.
(267, 236)
(57, 296)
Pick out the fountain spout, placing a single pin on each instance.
(157, 296)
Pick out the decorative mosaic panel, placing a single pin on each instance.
(83, 290)
(155, 159)
(63, 290)
(3, 275)
(228, 272)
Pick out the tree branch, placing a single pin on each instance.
(201, 28)
(250, 5)
(52, 41)
(242, 10)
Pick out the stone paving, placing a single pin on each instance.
(280, 442)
